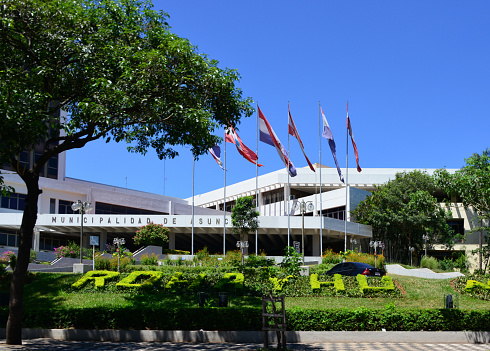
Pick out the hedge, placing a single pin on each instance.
(249, 318)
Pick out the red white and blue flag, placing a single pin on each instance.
(232, 137)
(294, 132)
(215, 151)
(327, 133)
(352, 138)
(267, 135)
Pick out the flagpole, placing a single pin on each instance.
(347, 202)
(289, 189)
(257, 176)
(192, 236)
(320, 164)
(224, 202)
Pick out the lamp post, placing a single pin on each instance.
(242, 245)
(353, 242)
(118, 242)
(303, 206)
(425, 237)
(375, 245)
(82, 207)
(411, 249)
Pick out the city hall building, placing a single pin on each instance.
(119, 212)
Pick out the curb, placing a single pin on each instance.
(441, 337)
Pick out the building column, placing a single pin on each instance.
(171, 240)
(102, 240)
(36, 236)
(316, 245)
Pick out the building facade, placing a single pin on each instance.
(119, 212)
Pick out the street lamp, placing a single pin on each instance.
(118, 242)
(242, 245)
(303, 206)
(82, 207)
(353, 242)
(425, 237)
(375, 244)
(411, 249)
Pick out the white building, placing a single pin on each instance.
(119, 212)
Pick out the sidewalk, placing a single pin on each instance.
(256, 337)
(420, 272)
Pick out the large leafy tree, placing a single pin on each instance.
(119, 73)
(471, 184)
(403, 210)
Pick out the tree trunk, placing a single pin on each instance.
(14, 322)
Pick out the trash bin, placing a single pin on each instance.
(223, 299)
(449, 303)
(202, 297)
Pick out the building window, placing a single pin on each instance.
(64, 207)
(14, 201)
(8, 238)
(337, 212)
(49, 242)
(457, 224)
(52, 206)
(104, 208)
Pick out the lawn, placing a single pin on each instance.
(54, 290)
(416, 293)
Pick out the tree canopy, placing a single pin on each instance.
(404, 209)
(471, 186)
(244, 216)
(119, 73)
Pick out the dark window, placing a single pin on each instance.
(14, 201)
(457, 224)
(52, 206)
(64, 207)
(104, 208)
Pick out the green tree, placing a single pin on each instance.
(244, 217)
(151, 234)
(119, 73)
(403, 210)
(471, 184)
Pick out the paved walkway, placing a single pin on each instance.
(58, 345)
(420, 272)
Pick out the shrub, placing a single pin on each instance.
(71, 250)
(291, 262)
(331, 257)
(10, 258)
(176, 281)
(447, 264)
(151, 234)
(110, 264)
(99, 277)
(365, 288)
(230, 281)
(140, 280)
(337, 283)
(429, 262)
(149, 260)
(278, 284)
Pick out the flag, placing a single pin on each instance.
(294, 132)
(327, 133)
(352, 138)
(268, 136)
(232, 137)
(215, 151)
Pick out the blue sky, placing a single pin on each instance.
(416, 75)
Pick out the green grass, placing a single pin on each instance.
(418, 293)
(54, 289)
